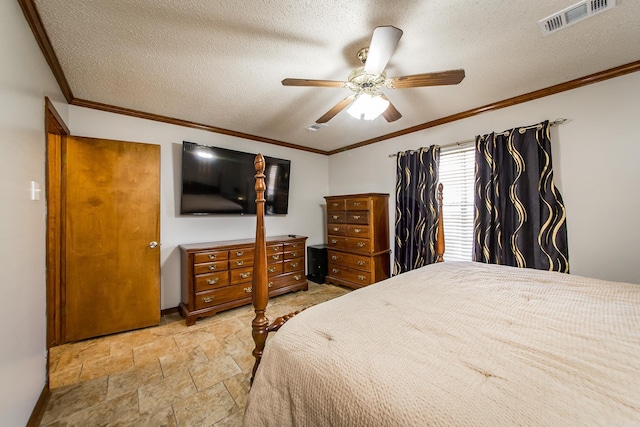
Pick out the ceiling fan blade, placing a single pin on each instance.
(336, 109)
(383, 43)
(305, 82)
(391, 114)
(451, 77)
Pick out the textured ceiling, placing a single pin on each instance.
(220, 63)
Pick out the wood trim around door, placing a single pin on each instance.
(55, 131)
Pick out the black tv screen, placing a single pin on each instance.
(222, 181)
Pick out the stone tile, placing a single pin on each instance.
(126, 342)
(122, 409)
(233, 420)
(213, 348)
(192, 338)
(205, 408)
(95, 368)
(67, 400)
(165, 392)
(169, 329)
(150, 353)
(130, 380)
(244, 358)
(75, 355)
(218, 369)
(182, 361)
(161, 417)
(63, 378)
(238, 387)
(222, 328)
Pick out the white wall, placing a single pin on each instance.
(25, 79)
(309, 183)
(596, 162)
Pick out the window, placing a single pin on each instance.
(457, 166)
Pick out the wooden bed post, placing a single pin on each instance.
(260, 291)
(440, 229)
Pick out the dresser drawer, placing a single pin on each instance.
(210, 267)
(357, 217)
(337, 242)
(241, 253)
(358, 230)
(202, 257)
(292, 265)
(358, 245)
(286, 280)
(358, 262)
(337, 229)
(293, 254)
(240, 263)
(357, 203)
(336, 205)
(241, 275)
(204, 282)
(274, 269)
(222, 295)
(336, 217)
(273, 258)
(275, 249)
(356, 276)
(288, 247)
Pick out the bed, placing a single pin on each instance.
(453, 343)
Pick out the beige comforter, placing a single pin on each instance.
(458, 344)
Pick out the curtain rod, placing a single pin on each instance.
(556, 122)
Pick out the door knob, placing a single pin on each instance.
(153, 245)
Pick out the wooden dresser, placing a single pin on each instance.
(357, 239)
(217, 276)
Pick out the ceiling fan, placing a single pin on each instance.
(367, 81)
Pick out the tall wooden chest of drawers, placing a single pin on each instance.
(217, 276)
(357, 239)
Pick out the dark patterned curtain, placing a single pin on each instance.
(416, 208)
(520, 219)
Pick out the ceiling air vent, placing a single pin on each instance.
(576, 13)
(316, 126)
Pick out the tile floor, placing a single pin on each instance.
(168, 375)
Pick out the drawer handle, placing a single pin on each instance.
(239, 262)
(356, 204)
(334, 241)
(297, 277)
(294, 254)
(361, 244)
(336, 217)
(336, 204)
(207, 299)
(335, 270)
(248, 289)
(295, 245)
(360, 262)
(361, 277)
(212, 267)
(275, 257)
(357, 230)
(334, 257)
(336, 229)
(295, 264)
(271, 269)
(212, 281)
(270, 284)
(356, 217)
(245, 275)
(213, 256)
(239, 253)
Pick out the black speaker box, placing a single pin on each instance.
(317, 263)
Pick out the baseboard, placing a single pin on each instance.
(41, 405)
(169, 311)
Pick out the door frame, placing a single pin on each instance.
(55, 133)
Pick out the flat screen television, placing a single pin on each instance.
(222, 181)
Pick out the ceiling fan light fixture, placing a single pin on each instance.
(368, 107)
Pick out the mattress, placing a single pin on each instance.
(458, 343)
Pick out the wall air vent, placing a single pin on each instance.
(576, 13)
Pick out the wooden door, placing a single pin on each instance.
(111, 210)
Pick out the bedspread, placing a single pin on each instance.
(458, 343)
